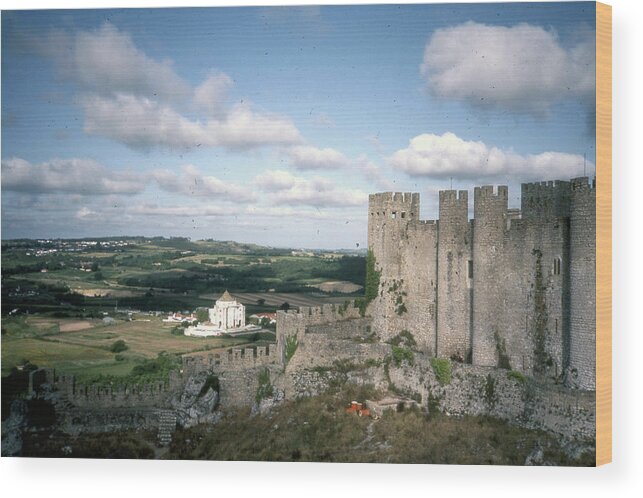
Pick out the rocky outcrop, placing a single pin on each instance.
(12, 428)
(198, 400)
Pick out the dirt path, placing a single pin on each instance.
(74, 326)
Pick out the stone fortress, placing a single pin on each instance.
(507, 299)
(509, 288)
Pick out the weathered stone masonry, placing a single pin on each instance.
(510, 288)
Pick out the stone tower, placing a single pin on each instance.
(489, 271)
(511, 288)
(455, 276)
(582, 251)
(405, 249)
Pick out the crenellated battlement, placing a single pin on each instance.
(296, 321)
(101, 395)
(454, 196)
(583, 184)
(394, 205)
(489, 191)
(231, 359)
(545, 200)
(394, 197)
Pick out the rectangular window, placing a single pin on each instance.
(470, 268)
(393, 215)
(403, 215)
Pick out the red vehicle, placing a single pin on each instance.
(359, 409)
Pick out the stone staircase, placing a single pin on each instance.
(167, 424)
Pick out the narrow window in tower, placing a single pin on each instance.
(470, 268)
(403, 215)
(556, 266)
(393, 215)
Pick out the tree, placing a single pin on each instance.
(261, 302)
(202, 315)
(118, 346)
(285, 306)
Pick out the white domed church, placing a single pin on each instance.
(227, 313)
(227, 317)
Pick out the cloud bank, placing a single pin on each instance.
(192, 182)
(522, 68)
(287, 189)
(77, 176)
(447, 155)
(141, 102)
(305, 157)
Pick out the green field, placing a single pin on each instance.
(162, 274)
(85, 352)
(55, 294)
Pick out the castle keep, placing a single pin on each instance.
(509, 288)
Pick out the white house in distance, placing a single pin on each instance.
(227, 313)
(227, 317)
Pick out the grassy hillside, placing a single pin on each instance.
(318, 429)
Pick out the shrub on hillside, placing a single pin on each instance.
(118, 346)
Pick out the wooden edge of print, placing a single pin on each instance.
(603, 234)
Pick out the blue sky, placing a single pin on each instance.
(272, 125)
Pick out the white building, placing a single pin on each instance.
(227, 317)
(227, 313)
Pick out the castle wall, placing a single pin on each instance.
(532, 334)
(483, 391)
(238, 388)
(490, 272)
(405, 250)
(358, 329)
(95, 396)
(511, 288)
(545, 201)
(454, 282)
(294, 323)
(583, 285)
(231, 359)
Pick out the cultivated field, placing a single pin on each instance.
(82, 347)
(276, 299)
(55, 294)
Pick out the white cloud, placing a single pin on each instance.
(80, 176)
(140, 122)
(449, 155)
(287, 189)
(521, 68)
(275, 180)
(211, 94)
(85, 213)
(193, 183)
(180, 211)
(141, 102)
(283, 212)
(305, 157)
(373, 173)
(107, 61)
